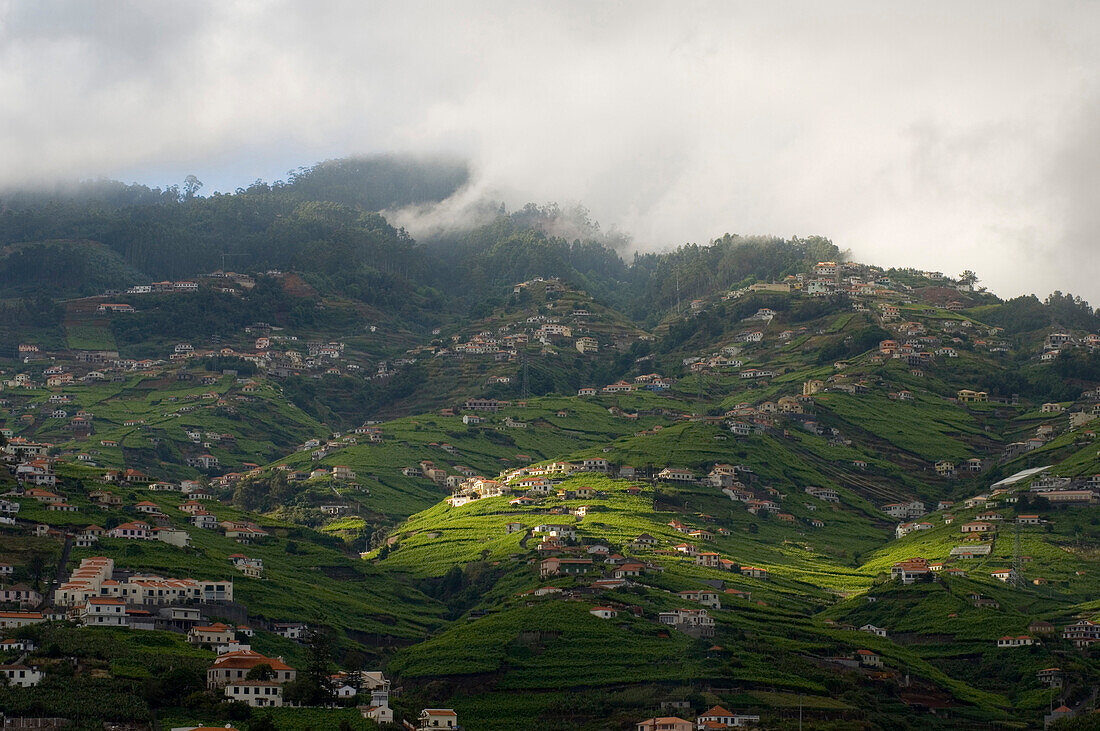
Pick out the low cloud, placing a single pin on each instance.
(936, 135)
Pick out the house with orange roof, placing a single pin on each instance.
(433, 719)
(1051, 677)
(244, 532)
(211, 635)
(708, 558)
(14, 620)
(910, 570)
(148, 507)
(664, 723)
(628, 569)
(234, 666)
(868, 659)
(43, 496)
(720, 718)
(191, 507)
(134, 530)
(104, 612)
(204, 519)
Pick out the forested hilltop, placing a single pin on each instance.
(324, 221)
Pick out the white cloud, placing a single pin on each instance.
(937, 135)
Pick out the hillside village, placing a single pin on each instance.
(824, 456)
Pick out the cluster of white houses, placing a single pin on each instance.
(1058, 340)
(646, 382)
(95, 579)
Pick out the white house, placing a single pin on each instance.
(256, 693)
(724, 719)
(104, 612)
(432, 719)
(22, 676)
(290, 630)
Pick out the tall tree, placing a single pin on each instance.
(314, 686)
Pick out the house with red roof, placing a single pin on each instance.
(1019, 641)
(664, 723)
(148, 507)
(708, 558)
(134, 530)
(720, 718)
(910, 570)
(14, 620)
(433, 719)
(211, 635)
(43, 496)
(868, 659)
(104, 612)
(234, 666)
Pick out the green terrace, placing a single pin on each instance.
(928, 428)
(486, 448)
(433, 541)
(1053, 551)
(262, 423)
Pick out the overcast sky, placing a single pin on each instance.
(936, 135)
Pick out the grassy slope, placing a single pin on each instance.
(263, 423)
(598, 654)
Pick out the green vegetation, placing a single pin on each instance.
(343, 321)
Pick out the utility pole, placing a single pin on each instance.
(702, 384)
(225, 254)
(1017, 561)
(526, 373)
